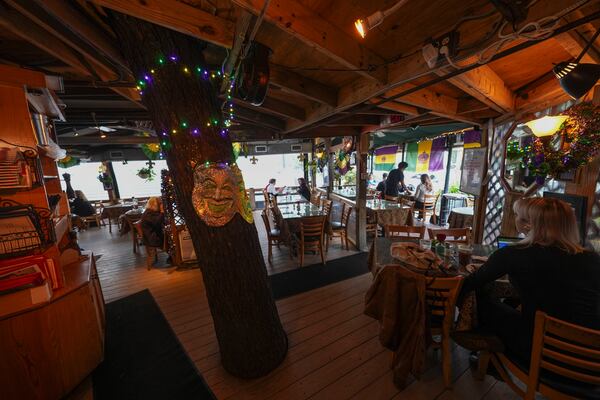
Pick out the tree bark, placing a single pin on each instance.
(251, 339)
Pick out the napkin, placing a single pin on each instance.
(412, 254)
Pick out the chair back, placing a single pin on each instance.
(453, 235)
(565, 349)
(346, 211)
(430, 200)
(407, 203)
(405, 231)
(440, 297)
(136, 227)
(312, 228)
(266, 197)
(327, 204)
(265, 218)
(390, 198)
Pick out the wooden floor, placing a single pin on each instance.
(334, 352)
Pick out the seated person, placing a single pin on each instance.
(303, 189)
(271, 189)
(424, 188)
(381, 185)
(152, 224)
(81, 206)
(550, 271)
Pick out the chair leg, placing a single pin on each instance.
(301, 254)
(327, 242)
(482, 365)
(270, 256)
(446, 362)
(321, 252)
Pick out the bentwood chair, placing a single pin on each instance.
(312, 230)
(417, 232)
(453, 235)
(136, 233)
(95, 218)
(428, 208)
(440, 296)
(340, 229)
(565, 362)
(273, 235)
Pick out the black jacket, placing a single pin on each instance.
(304, 191)
(82, 208)
(565, 286)
(393, 180)
(152, 228)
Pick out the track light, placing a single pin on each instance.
(577, 79)
(363, 26)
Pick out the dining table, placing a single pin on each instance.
(114, 211)
(387, 212)
(290, 198)
(461, 217)
(380, 257)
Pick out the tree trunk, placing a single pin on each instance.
(251, 339)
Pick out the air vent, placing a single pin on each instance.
(260, 149)
(116, 155)
(296, 148)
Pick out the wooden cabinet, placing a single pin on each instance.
(49, 348)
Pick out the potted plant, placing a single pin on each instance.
(146, 173)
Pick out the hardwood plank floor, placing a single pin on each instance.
(334, 351)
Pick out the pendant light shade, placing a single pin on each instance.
(546, 126)
(577, 79)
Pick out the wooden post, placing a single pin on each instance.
(481, 200)
(330, 169)
(251, 339)
(362, 141)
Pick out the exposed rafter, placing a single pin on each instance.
(304, 24)
(179, 17)
(299, 85)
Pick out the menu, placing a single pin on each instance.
(472, 170)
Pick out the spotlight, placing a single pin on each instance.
(577, 79)
(363, 26)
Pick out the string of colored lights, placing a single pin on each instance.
(147, 80)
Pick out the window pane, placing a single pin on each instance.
(286, 168)
(131, 185)
(84, 177)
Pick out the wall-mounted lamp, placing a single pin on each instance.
(363, 26)
(577, 79)
(546, 126)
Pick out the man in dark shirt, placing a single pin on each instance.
(381, 185)
(395, 178)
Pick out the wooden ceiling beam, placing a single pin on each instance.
(411, 67)
(398, 107)
(109, 140)
(302, 86)
(261, 119)
(574, 41)
(276, 107)
(42, 39)
(179, 17)
(304, 24)
(357, 120)
(486, 86)
(324, 132)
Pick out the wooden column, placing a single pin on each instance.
(362, 141)
(330, 169)
(481, 200)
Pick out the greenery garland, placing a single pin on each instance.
(580, 143)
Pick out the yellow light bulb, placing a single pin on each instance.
(359, 24)
(546, 126)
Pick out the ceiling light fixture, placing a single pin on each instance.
(363, 26)
(577, 79)
(546, 126)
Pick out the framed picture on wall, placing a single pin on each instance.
(473, 165)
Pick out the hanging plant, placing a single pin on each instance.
(68, 162)
(574, 145)
(146, 173)
(151, 150)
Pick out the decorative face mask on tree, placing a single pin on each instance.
(219, 193)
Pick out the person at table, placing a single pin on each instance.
(424, 188)
(271, 189)
(550, 271)
(303, 189)
(152, 224)
(81, 206)
(395, 181)
(381, 185)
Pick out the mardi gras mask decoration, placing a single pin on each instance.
(219, 193)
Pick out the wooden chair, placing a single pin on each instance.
(96, 217)
(428, 209)
(390, 198)
(312, 230)
(341, 228)
(565, 361)
(405, 231)
(136, 233)
(326, 205)
(273, 235)
(407, 203)
(372, 226)
(440, 297)
(453, 235)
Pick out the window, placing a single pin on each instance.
(286, 168)
(84, 177)
(131, 185)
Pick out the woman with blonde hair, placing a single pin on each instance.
(550, 271)
(424, 188)
(152, 224)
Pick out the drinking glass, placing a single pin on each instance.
(425, 244)
(464, 255)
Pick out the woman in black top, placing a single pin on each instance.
(550, 271)
(81, 206)
(303, 189)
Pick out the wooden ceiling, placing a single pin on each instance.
(324, 79)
